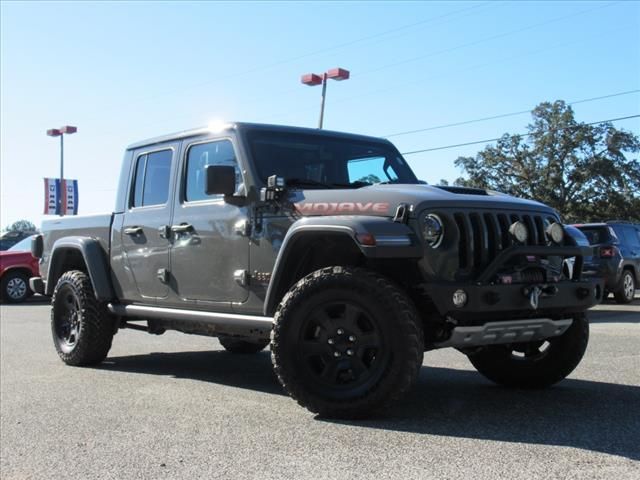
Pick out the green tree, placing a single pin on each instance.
(371, 178)
(21, 226)
(583, 171)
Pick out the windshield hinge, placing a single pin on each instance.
(402, 213)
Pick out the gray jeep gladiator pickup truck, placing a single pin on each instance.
(327, 247)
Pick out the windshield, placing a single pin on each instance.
(319, 161)
(23, 245)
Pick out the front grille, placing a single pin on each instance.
(482, 235)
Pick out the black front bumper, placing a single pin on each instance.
(488, 300)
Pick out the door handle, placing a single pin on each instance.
(133, 230)
(182, 228)
(164, 231)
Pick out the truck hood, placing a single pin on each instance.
(383, 200)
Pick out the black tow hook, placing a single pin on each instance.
(534, 292)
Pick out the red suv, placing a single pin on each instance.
(17, 265)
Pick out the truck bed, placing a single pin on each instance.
(95, 226)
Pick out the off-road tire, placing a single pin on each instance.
(383, 312)
(11, 282)
(95, 325)
(626, 288)
(243, 347)
(539, 370)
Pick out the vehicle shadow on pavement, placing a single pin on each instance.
(29, 302)
(615, 316)
(611, 312)
(244, 371)
(597, 416)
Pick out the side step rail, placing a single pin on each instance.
(228, 323)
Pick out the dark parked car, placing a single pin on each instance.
(617, 248)
(9, 239)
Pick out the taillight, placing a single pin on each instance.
(607, 252)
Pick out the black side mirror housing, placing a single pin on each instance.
(221, 179)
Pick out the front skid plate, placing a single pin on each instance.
(509, 331)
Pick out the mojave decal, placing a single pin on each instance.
(327, 208)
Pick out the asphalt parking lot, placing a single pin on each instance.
(178, 406)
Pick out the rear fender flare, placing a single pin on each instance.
(95, 262)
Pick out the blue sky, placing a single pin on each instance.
(124, 71)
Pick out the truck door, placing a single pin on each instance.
(209, 248)
(144, 235)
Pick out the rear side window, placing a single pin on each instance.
(632, 236)
(599, 235)
(151, 183)
(198, 157)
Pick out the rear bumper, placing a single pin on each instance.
(486, 302)
(37, 285)
(609, 270)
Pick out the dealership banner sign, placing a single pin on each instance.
(61, 197)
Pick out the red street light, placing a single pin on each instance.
(68, 129)
(313, 79)
(59, 132)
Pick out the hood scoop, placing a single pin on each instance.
(462, 190)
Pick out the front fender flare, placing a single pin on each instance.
(375, 237)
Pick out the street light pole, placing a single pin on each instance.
(313, 79)
(61, 158)
(59, 132)
(324, 95)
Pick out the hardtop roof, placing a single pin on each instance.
(238, 126)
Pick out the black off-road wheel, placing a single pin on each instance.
(346, 342)
(536, 364)
(626, 288)
(15, 287)
(81, 325)
(240, 346)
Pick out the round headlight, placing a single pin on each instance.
(519, 231)
(433, 230)
(555, 232)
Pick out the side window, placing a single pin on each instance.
(198, 157)
(138, 187)
(151, 185)
(632, 235)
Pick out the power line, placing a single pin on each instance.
(518, 135)
(485, 39)
(422, 80)
(503, 115)
(314, 52)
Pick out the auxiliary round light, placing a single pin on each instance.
(433, 230)
(519, 231)
(459, 298)
(555, 232)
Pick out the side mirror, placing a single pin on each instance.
(221, 179)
